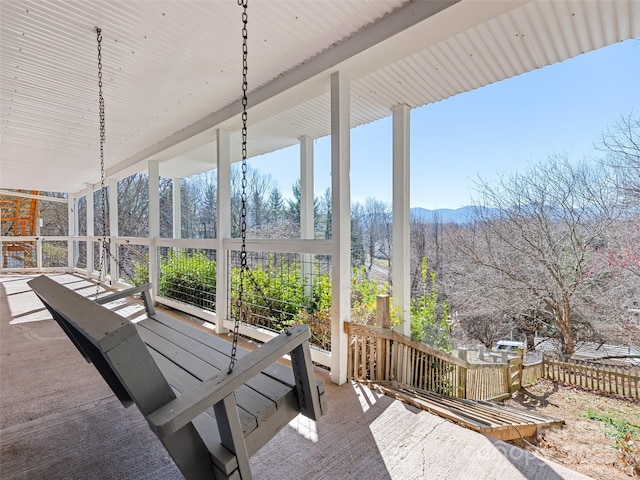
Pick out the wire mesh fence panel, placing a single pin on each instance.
(188, 275)
(19, 254)
(282, 289)
(80, 249)
(133, 263)
(55, 253)
(101, 258)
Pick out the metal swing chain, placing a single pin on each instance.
(104, 250)
(241, 316)
(103, 193)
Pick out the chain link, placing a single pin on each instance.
(103, 193)
(241, 316)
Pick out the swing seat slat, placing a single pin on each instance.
(209, 421)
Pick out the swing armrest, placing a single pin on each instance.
(123, 294)
(177, 413)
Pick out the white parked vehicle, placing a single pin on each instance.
(509, 346)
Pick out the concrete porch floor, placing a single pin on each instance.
(59, 420)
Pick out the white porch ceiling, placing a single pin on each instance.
(172, 71)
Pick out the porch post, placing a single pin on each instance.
(90, 230)
(401, 236)
(38, 244)
(307, 213)
(340, 223)
(76, 231)
(223, 227)
(113, 231)
(154, 223)
(71, 231)
(177, 208)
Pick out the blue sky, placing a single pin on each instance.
(503, 127)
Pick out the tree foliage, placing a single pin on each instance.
(429, 315)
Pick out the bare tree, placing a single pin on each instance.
(375, 222)
(427, 242)
(54, 215)
(535, 235)
(621, 144)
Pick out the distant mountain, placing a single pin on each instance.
(445, 215)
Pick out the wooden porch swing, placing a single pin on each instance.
(211, 409)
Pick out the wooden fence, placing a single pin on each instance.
(620, 380)
(381, 354)
(531, 373)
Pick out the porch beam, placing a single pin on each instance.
(308, 80)
(36, 197)
(400, 208)
(340, 223)
(223, 225)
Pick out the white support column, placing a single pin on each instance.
(154, 223)
(2, 256)
(177, 208)
(113, 231)
(90, 230)
(223, 227)
(307, 213)
(72, 205)
(401, 236)
(38, 244)
(340, 223)
(76, 230)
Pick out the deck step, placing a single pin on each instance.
(499, 421)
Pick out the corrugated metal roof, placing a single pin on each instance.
(170, 64)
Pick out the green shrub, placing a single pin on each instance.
(140, 272)
(189, 278)
(274, 295)
(363, 296)
(430, 319)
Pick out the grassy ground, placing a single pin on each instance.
(601, 437)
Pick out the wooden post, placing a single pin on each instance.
(383, 315)
(521, 366)
(383, 320)
(462, 376)
(507, 379)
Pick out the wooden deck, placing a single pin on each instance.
(489, 418)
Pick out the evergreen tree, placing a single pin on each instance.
(276, 206)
